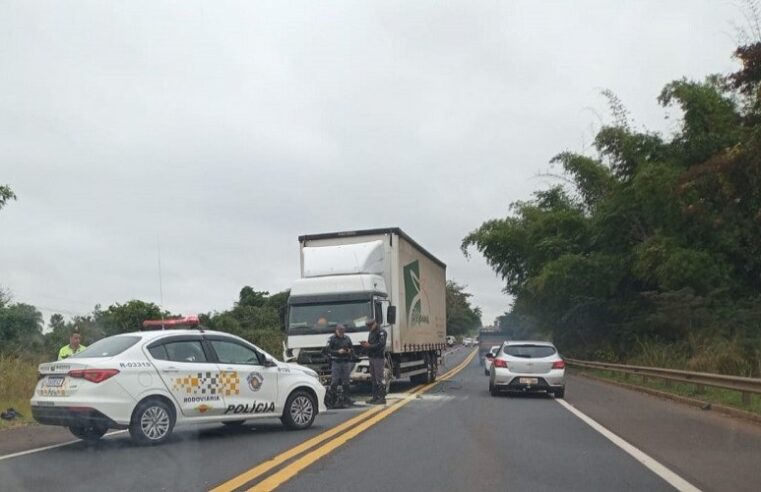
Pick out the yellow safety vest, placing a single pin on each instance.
(67, 351)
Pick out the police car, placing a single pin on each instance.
(149, 381)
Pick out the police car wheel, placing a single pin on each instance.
(88, 432)
(152, 422)
(233, 423)
(300, 410)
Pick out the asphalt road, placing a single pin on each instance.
(451, 436)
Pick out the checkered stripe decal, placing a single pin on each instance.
(208, 383)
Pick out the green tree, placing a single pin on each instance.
(20, 328)
(122, 318)
(6, 195)
(462, 318)
(652, 240)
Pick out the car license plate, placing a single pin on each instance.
(54, 381)
(528, 380)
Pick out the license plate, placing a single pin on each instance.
(528, 380)
(53, 381)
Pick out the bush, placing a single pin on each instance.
(19, 377)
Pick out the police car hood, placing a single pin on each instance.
(292, 366)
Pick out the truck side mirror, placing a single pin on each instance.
(391, 315)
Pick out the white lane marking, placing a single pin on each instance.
(52, 446)
(670, 477)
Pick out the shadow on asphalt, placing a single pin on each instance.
(213, 431)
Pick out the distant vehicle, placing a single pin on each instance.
(487, 360)
(451, 341)
(527, 366)
(487, 339)
(467, 341)
(149, 381)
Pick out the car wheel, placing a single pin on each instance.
(152, 422)
(559, 393)
(234, 423)
(88, 432)
(300, 410)
(493, 390)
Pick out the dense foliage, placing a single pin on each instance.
(650, 250)
(462, 318)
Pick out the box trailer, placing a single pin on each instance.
(350, 277)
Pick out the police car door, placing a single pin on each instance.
(189, 372)
(258, 382)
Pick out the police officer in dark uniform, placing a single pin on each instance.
(341, 354)
(375, 346)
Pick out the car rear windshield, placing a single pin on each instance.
(107, 347)
(529, 351)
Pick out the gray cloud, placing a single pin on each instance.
(225, 130)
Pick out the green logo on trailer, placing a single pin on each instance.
(412, 294)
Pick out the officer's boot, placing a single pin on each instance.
(331, 397)
(374, 399)
(347, 399)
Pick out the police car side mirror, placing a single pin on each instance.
(391, 315)
(269, 362)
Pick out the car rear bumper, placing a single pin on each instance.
(68, 416)
(540, 386)
(509, 381)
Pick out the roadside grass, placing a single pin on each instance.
(18, 377)
(718, 396)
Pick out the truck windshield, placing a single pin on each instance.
(307, 319)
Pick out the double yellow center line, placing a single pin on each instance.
(345, 431)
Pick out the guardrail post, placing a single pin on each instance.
(746, 398)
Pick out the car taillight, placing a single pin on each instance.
(558, 364)
(93, 375)
(500, 363)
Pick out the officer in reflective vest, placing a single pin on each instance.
(74, 346)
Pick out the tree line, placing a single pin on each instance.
(257, 316)
(648, 248)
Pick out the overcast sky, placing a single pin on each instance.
(223, 130)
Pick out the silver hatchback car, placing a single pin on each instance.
(527, 367)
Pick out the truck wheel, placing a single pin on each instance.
(152, 422)
(88, 432)
(433, 369)
(300, 410)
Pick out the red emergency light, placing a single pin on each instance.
(161, 324)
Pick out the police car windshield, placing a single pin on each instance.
(306, 319)
(107, 347)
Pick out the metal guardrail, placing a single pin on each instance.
(746, 386)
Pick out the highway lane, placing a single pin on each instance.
(450, 436)
(457, 437)
(195, 458)
(710, 450)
